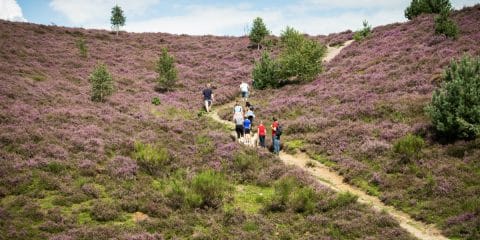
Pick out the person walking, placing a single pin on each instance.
(208, 97)
(261, 131)
(250, 115)
(275, 138)
(244, 90)
(237, 108)
(238, 120)
(246, 129)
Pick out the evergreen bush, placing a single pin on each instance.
(301, 58)
(102, 83)
(408, 146)
(455, 107)
(82, 47)
(365, 32)
(445, 25)
(418, 7)
(167, 73)
(265, 73)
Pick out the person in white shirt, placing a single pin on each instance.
(244, 89)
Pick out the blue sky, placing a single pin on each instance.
(213, 16)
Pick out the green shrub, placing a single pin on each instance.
(265, 73)
(102, 83)
(445, 25)
(209, 188)
(418, 7)
(303, 200)
(341, 200)
(301, 58)
(290, 194)
(365, 32)
(167, 73)
(455, 107)
(103, 210)
(408, 146)
(82, 47)
(156, 101)
(258, 32)
(151, 159)
(176, 194)
(304, 64)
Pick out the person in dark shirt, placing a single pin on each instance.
(208, 97)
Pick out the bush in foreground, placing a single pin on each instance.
(408, 147)
(455, 107)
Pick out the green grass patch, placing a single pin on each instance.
(365, 186)
(294, 145)
(250, 198)
(323, 160)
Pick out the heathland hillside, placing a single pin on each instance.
(128, 169)
(369, 98)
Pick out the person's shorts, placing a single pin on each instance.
(209, 102)
(244, 94)
(247, 131)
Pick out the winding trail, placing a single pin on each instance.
(333, 180)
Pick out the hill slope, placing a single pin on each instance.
(374, 93)
(126, 169)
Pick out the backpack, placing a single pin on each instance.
(279, 131)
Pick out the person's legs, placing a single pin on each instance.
(239, 131)
(207, 105)
(262, 141)
(276, 145)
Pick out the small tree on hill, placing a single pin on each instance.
(167, 73)
(418, 7)
(301, 58)
(117, 19)
(455, 107)
(365, 32)
(445, 25)
(259, 32)
(265, 73)
(102, 83)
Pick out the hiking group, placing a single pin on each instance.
(243, 117)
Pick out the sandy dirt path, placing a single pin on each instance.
(334, 181)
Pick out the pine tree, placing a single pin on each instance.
(455, 107)
(102, 83)
(265, 73)
(167, 73)
(259, 32)
(117, 19)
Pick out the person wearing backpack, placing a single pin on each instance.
(261, 131)
(276, 133)
(250, 115)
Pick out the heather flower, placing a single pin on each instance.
(123, 167)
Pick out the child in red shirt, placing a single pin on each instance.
(262, 131)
